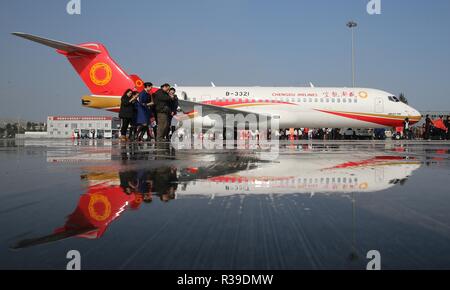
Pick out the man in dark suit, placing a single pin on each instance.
(162, 102)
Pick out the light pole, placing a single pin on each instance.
(351, 25)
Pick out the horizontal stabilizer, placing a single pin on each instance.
(63, 46)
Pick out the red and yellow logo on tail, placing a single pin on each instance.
(100, 74)
(138, 82)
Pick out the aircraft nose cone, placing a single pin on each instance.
(414, 115)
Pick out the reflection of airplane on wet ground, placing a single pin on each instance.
(307, 174)
(112, 191)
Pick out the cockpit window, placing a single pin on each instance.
(393, 99)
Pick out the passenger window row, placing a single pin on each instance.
(300, 180)
(293, 100)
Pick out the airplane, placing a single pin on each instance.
(294, 107)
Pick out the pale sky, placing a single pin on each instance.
(233, 42)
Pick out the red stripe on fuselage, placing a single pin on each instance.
(368, 162)
(371, 119)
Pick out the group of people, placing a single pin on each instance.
(308, 133)
(147, 113)
(439, 128)
(146, 183)
(431, 129)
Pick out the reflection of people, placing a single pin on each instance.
(161, 181)
(137, 183)
(143, 185)
(148, 197)
(128, 181)
(165, 182)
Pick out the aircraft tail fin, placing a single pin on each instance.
(99, 72)
(139, 84)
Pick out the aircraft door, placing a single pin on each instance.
(379, 175)
(379, 105)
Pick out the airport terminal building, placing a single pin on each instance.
(82, 126)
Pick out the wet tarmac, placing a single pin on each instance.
(318, 205)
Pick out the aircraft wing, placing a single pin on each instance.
(189, 109)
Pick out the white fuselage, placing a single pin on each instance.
(309, 107)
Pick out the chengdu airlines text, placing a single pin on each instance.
(224, 280)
